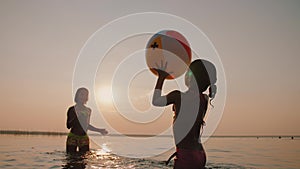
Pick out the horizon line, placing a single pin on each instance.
(24, 132)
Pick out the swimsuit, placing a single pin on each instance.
(189, 151)
(190, 159)
(77, 135)
(75, 140)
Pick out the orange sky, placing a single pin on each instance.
(258, 43)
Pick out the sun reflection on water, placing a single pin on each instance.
(105, 150)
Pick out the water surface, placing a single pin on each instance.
(40, 151)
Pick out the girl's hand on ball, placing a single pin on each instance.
(161, 70)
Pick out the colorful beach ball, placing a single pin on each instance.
(171, 47)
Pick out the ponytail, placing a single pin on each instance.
(212, 93)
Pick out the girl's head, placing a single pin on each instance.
(81, 96)
(202, 74)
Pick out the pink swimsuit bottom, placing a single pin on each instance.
(190, 159)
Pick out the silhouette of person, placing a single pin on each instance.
(78, 120)
(189, 110)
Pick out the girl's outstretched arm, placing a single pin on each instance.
(102, 131)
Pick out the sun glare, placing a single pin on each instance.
(105, 95)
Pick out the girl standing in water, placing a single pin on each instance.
(189, 110)
(78, 120)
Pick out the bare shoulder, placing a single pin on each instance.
(175, 92)
(89, 110)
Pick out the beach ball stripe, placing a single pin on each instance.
(182, 40)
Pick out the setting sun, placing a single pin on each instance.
(105, 95)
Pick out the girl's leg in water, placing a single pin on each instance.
(84, 149)
(71, 148)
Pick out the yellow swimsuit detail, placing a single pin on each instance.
(76, 140)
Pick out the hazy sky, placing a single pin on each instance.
(258, 43)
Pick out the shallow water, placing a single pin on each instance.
(34, 151)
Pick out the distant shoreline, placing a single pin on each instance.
(22, 132)
(51, 133)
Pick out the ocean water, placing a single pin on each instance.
(40, 151)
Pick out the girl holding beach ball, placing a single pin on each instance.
(168, 56)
